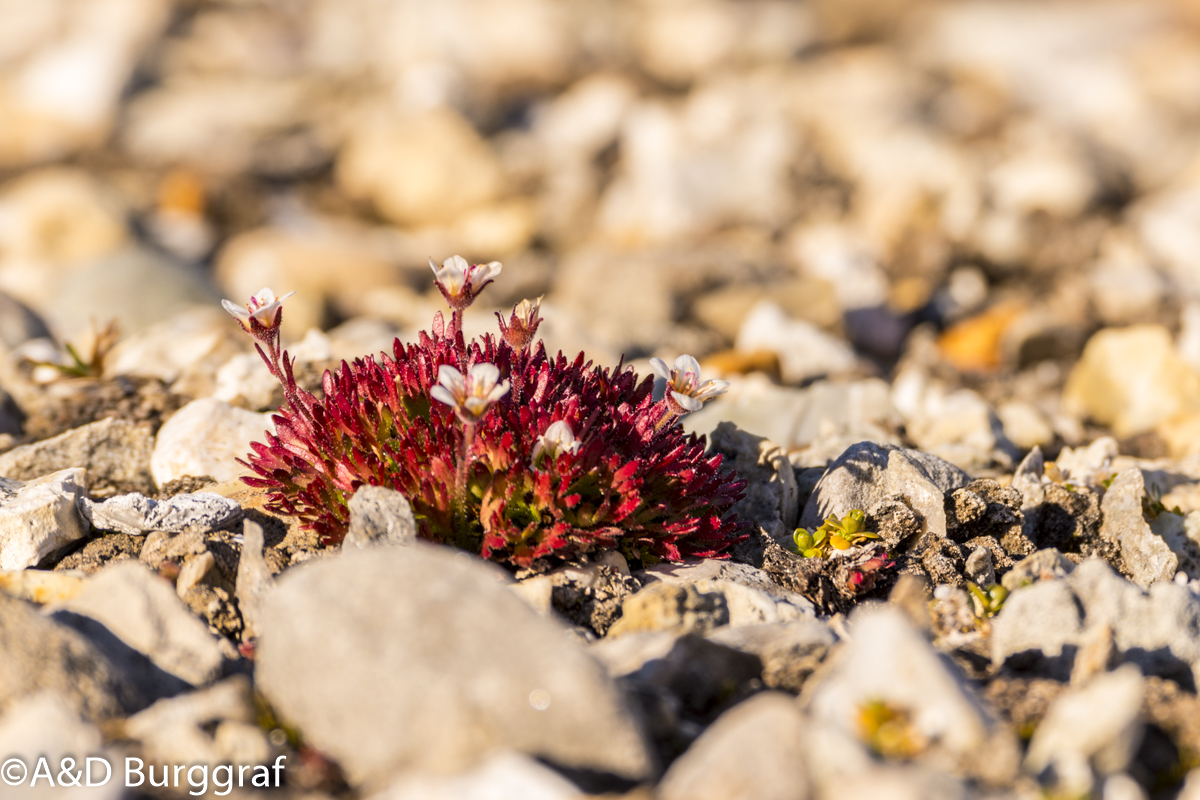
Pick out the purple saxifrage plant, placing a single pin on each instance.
(501, 449)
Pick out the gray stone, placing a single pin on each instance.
(204, 438)
(870, 473)
(822, 419)
(137, 514)
(1027, 479)
(1088, 466)
(887, 660)
(40, 654)
(979, 568)
(127, 607)
(771, 494)
(1037, 622)
(184, 351)
(39, 518)
(804, 350)
(182, 729)
(193, 572)
(1156, 629)
(757, 749)
(984, 508)
(1147, 556)
(160, 546)
(712, 569)
(137, 285)
(755, 405)
(588, 596)
(678, 676)
(789, 651)
(848, 411)
(8, 489)
(1096, 654)
(701, 606)
(503, 774)
(254, 577)
(1043, 565)
(437, 663)
(1159, 629)
(1098, 726)
(115, 453)
(957, 425)
(379, 516)
(625, 655)
(45, 725)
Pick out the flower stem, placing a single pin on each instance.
(461, 472)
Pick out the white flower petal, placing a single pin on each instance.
(452, 379)
(486, 272)
(451, 275)
(497, 392)
(559, 432)
(687, 402)
(686, 363)
(660, 368)
(476, 406)
(264, 297)
(266, 314)
(484, 377)
(711, 389)
(238, 311)
(687, 373)
(442, 395)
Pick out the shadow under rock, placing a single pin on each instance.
(145, 682)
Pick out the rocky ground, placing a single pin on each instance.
(945, 253)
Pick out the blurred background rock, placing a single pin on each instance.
(898, 219)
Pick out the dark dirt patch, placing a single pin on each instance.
(134, 399)
(185, 485)
(591, 596)
(95, 553)
(1022, 701)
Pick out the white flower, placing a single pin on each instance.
(558, 438)
(683, 383)
(471, 395)
(460, 282)
(263, 308)
(452, 275)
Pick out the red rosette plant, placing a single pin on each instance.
(501, 449)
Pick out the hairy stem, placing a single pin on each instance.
(461, 472)
(280, 367)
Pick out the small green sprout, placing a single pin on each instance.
(1153, 506)
(103, 340)
(989, 601)
(834, 534)
(889, 730)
